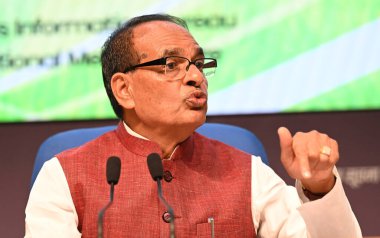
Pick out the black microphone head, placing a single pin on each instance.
(155, 166)
(113, 170)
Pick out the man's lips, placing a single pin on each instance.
(196, 99)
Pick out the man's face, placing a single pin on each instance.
(159, 100)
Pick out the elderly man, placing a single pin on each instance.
(156, 76)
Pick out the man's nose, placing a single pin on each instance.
(194, 77)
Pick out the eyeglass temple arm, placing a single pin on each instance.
(161, 61)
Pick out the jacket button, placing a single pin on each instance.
(168, 176)
(166, 217)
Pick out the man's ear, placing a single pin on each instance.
(121, 90)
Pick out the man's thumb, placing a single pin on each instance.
(286, 141)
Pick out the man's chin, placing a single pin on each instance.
(196, 117)
(199, 121)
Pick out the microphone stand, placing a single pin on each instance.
(102, 212)
(170, 209)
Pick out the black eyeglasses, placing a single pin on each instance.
(177, 66)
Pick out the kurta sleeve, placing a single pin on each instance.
(50, 211)
(279, 210)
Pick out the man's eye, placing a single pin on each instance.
(171, 65)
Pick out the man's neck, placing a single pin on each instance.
(168, 139)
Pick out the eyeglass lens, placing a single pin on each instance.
(178, 66)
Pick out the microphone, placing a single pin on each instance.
(113, 175)
(157, 172)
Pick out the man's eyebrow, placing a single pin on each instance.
(174, 51)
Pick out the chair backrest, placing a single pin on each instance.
(235, 136)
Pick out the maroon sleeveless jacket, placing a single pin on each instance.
(208, 179)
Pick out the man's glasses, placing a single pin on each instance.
(177, 66)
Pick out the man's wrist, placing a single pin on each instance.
(316, 195)
(312, 196)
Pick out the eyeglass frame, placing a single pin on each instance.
(162, 62)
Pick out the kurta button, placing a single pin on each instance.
(168, 176)
(166, 217)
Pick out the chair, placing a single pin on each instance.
(235, 136)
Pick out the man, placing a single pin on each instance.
(155, 75)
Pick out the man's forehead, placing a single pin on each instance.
(158, 27)
(166, 38)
